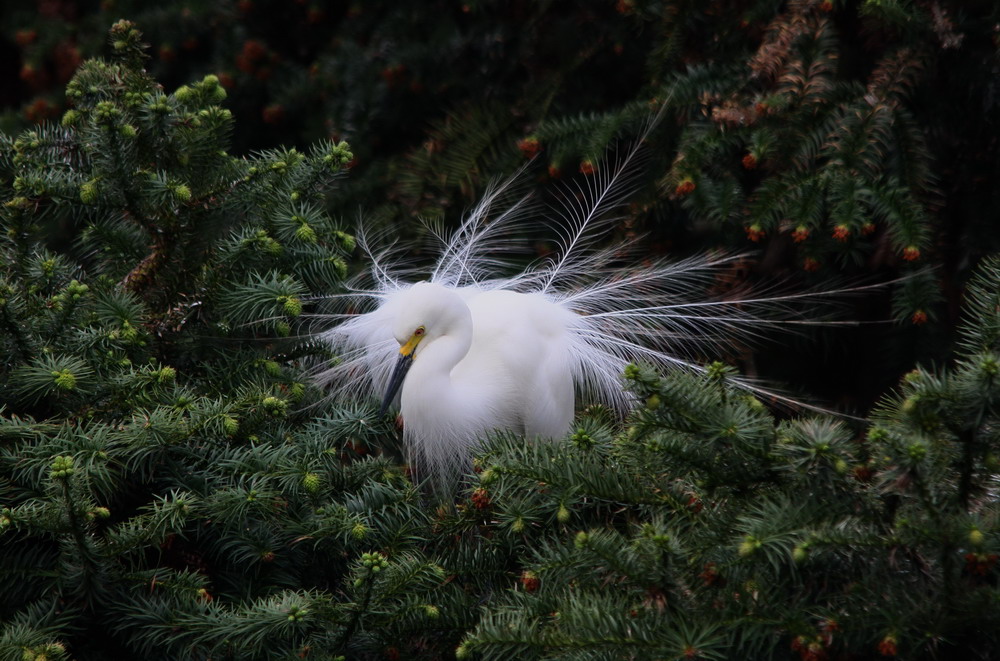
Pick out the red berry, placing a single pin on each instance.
(710, 576)
(587, 167)
(810, 264)
(755, 232)
(911, 253)
(480, 499)
(38, 110)
(273, 114)
(253, 52)
(529, 146)
(25, 37)
(841, 232)
(684, 188)
(887, 646)
(919, 317)
(862, 473)
(749, 162)
(800, 234)
(530, 581)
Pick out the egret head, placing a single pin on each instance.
(424, 312)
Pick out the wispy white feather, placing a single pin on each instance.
(653, 312)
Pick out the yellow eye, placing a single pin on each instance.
(420, 331)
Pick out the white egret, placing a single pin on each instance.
(472, 349)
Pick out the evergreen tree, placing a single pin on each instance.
(169, 478)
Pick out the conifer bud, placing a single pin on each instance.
(581, 540)
(306, 234)
(184, 94)
(563, 515)
(105, 112)
(275, 407)
(748, 546)
(88, 191)
(64, 380)
(346, 241)
(230, 425)
(311, 482)
(62, 467)
(340, 266)
(432, 611)
(800, 553)
(976, 537)
(359, 531)
(166, 374)
(374, 561)
(128, 332)
(75, 289)
(214, 92)
(181, 192)
(582, 439)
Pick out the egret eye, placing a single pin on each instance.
(420, 331)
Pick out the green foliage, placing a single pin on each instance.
(708, 527)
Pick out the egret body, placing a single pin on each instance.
(471, 362)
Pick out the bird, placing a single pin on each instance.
(480, 342)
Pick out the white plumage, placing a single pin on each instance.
(497, 347)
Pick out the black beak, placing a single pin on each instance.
(396, 381)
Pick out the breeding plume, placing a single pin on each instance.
(476, 344)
